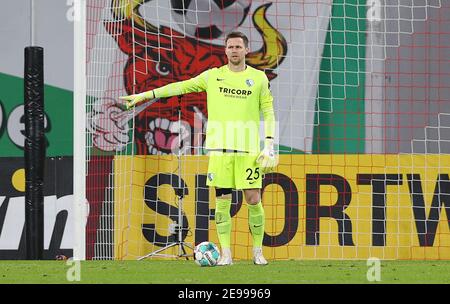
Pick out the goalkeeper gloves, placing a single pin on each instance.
(132, 100)
(266, 159)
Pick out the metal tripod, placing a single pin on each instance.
(179, 225)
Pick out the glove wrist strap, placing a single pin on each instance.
(149, 94)
(268, 142)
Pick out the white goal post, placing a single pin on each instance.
(79, 137)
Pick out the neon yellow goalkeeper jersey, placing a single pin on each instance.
(235, 101)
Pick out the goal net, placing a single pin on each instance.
(361, 95)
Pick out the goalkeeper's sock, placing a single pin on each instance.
(256, 219)
(223, 221)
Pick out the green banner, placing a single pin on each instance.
(340, 119)
(58, 106)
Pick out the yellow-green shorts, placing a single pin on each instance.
(233, 170)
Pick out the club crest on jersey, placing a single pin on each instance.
(249, 82)
(210, 176)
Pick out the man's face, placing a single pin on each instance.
(236, 50)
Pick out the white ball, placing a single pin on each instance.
(209, 19)
(206, 254)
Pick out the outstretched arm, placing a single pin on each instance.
(196, 84)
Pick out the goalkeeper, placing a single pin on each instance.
(236, 96)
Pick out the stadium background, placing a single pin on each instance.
(339, 131)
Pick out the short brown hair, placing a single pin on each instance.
(237, 35)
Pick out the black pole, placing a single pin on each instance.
(34, 151)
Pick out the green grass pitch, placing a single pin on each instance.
(242, 272)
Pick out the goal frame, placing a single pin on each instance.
(79, 123)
